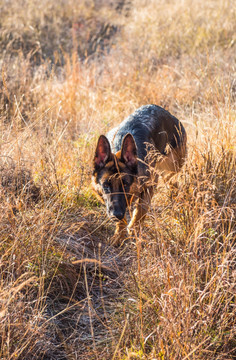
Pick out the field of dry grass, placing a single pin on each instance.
(69, 72)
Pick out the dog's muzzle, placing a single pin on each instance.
(118, 215)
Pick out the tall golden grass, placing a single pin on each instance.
(69, 72)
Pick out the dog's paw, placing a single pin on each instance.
(130, 231)
(119, 237)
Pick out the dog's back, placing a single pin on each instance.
(151, 124)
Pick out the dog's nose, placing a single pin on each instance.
(118, 214)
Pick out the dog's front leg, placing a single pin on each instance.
(141, 209)
(120, 232)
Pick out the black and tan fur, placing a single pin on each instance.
(121, 164)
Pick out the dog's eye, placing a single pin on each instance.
(106, 188)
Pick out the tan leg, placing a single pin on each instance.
(141, 208)
(172, 162)
(168, 163)
(120, 233)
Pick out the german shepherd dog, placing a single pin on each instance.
(121, 172)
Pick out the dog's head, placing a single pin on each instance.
(114, 174)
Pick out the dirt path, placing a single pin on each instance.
(83, 316)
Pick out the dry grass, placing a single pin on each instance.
(69, 73)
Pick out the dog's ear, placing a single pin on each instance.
(103, 152)
(129, 151)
